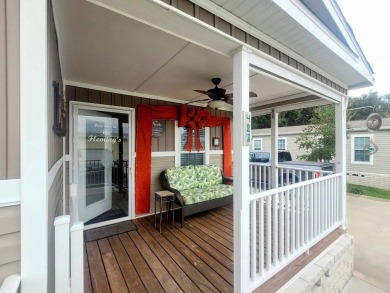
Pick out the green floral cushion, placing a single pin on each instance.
(208, 175)
(195, 195)
(182, 178)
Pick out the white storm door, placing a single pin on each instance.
(93, 160)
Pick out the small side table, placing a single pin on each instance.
(167, 197)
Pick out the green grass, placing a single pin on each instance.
(369, 191)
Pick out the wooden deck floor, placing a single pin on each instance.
(196, 258)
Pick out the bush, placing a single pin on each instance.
(354, 189)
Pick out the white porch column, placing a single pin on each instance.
(241, 171)
(34, 145)
(274, 147)
(340, 160)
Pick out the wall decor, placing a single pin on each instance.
(158, 128)
(59, 126)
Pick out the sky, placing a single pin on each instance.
(369, 22)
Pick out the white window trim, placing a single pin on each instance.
(253, 144)
(178, 150)
(371, 162)
(285, 143)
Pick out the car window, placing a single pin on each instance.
(259, 157)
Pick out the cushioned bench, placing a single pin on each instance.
(198, 188)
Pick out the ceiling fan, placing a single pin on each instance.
(217, 97)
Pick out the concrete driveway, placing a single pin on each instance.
(369, 224)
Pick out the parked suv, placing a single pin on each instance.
(265, 157)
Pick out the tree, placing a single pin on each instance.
(318, 138)
(361, 107)
(289, 118)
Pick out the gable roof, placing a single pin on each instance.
(314, 29)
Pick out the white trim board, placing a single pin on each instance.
(267, 65)
(34, 95)
(53, 172)
(9, 192)
(163, 154)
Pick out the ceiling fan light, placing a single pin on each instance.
(216, 104)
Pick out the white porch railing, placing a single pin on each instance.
(11, 284)
(69, 254)
(287, 221)
(261, 176)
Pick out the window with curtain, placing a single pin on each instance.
(194, 157)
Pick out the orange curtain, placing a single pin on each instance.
(146, 115)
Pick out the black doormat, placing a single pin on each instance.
(109, 230)
(109, 215)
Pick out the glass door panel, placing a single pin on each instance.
(101, 158)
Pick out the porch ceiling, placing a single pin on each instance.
(99, 47)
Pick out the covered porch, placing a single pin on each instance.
(150, 52)
(196, 258)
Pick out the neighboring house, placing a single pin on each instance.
(362, 168)
(124, 64)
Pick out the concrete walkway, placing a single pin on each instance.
(369, 224)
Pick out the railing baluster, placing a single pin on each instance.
(281, 226)
(287, 197)
(302, 212)
(293, 221)
(306, 207)
(261, 236)
(311, 206)
(275, 226)
(269, 226)
(253, 255)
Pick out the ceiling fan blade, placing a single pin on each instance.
(251, 95)
(204, 100)
(207, 93)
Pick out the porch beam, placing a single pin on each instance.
(267, 65)
(274, 147)
(34, 145)
(341, 158)
(241, 171)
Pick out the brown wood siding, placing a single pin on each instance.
(166, 142)
(159, 164)
(9, 241)
(54, 141)
(216, 160)
(9, 90)
(209, 18)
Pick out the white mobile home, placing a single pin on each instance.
(362, 168)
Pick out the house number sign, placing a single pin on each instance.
(247, 128)
(158, 128)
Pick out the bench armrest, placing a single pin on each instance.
(227, 179)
